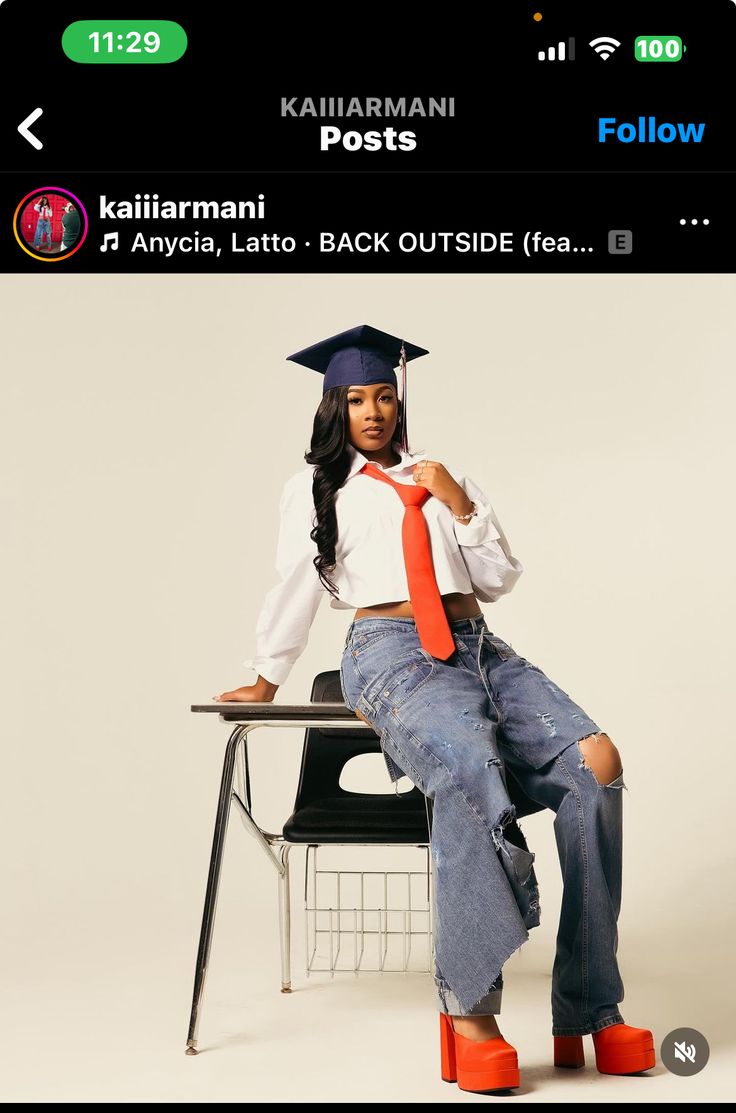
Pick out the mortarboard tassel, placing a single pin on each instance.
(402, 364)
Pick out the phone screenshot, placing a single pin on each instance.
(368, 394)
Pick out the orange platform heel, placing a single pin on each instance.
(477, 1066)
(619, 1049)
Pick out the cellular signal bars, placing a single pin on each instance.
(563, 51)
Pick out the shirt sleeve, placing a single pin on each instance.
(289, 608)
(492, 569)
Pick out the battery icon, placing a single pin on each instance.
(658, 48)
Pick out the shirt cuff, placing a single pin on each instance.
(479, 530)
(275, 672)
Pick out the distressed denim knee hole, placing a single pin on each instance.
(592, 769)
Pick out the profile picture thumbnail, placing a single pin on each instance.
(50, 224)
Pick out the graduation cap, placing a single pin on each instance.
(358, 357)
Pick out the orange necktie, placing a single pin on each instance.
(429, 614)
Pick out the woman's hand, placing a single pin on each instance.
(249, 693)
(438, 481)
(262, 691)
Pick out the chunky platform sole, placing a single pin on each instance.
(619, 1049)
(474, 1065)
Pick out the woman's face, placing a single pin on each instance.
(375, 405)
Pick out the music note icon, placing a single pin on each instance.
(112, 237)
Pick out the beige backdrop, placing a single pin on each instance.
(148, 426)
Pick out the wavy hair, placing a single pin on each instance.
(329, 451)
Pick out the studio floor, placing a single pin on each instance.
(104, 1017)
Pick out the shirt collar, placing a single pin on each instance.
(408, 459)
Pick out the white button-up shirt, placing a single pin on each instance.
(370, 569)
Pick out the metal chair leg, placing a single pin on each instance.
(213, 885)
(285, 918)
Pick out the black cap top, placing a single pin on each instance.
(357, 357)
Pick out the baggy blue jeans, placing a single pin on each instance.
(41, 227)
(453, 728)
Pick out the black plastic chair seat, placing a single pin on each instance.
(359, 817)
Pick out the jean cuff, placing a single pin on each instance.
(588, 1029)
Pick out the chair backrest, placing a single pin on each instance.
(327, 751)
(324, 812)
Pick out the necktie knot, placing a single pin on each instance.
(409, 495)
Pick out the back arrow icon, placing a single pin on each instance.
(25, 126)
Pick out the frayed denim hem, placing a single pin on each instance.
(488, 1005)
(588, 1030)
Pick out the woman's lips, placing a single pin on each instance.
(373, 432)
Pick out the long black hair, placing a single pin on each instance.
(329, 451)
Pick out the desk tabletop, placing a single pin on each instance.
(285, 712)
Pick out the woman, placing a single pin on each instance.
(454, 706)
(43, 224)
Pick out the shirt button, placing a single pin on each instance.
(387, 693)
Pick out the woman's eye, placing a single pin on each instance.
(384, 397)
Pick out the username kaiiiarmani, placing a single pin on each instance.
(390, 107)
(148, 206)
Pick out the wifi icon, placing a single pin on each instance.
(604, 46)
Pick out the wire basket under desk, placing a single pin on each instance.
(368, 920)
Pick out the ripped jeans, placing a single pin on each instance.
(453, 728)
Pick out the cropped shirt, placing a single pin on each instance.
(370, 569)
